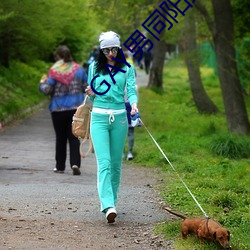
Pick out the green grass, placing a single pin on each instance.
(214, 164)
(19, 88)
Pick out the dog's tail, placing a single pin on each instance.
(175, 213)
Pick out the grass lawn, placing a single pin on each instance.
(214, 164)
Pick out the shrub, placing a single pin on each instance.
(231, 146)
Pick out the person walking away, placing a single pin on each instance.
(109, 123)
(65, 84)
(131, 129)
(130, 133)
(137, 59)
(147, 59)
(93, 55)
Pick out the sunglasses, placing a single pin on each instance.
(107, 51)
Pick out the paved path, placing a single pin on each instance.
(141, 78)
(31, 191)
(27, 160)
(26, 163)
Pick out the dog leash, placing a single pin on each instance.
(174, 169)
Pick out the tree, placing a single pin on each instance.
(223, 37)
(242, 32)
(28, 33)
(159, 51)
(23, 33)
(201, 99)
(132, 14)
(122, 17)
(241, 17)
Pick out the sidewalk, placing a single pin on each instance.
(141, 78)
(40, 209)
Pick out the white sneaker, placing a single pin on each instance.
(76, 170)
(130, 156)
(111, 214)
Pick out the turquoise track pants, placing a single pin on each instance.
(108, 136)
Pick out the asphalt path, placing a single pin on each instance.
(31, 190)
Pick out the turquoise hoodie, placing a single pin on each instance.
(114, 98)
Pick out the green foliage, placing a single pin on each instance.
(132, 14)
(242, 35)
(129, 13)
(243, 60)
(219, 183)
(19, 87)
(241, 17)
(41, 29)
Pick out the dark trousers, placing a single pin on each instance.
(147, 66)
(62, 122)
(130, 129)
(131, 139)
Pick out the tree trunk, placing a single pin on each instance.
(235, 109)
(156, 71)
(159, 51)
(201, 99)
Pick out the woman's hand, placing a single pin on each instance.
(89, 91)
(134, 109)
(43, 79)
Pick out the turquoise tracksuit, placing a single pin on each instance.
(109, 129)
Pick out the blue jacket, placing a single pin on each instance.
(65, 97)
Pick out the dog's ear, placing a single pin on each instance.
(214, 235)
(228, 237)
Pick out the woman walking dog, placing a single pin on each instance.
(109, 123)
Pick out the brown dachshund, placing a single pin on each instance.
(204, 229)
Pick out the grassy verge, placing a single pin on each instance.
(19, 88)
(212, 163)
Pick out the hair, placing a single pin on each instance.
(63, 52)
(102, 61)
